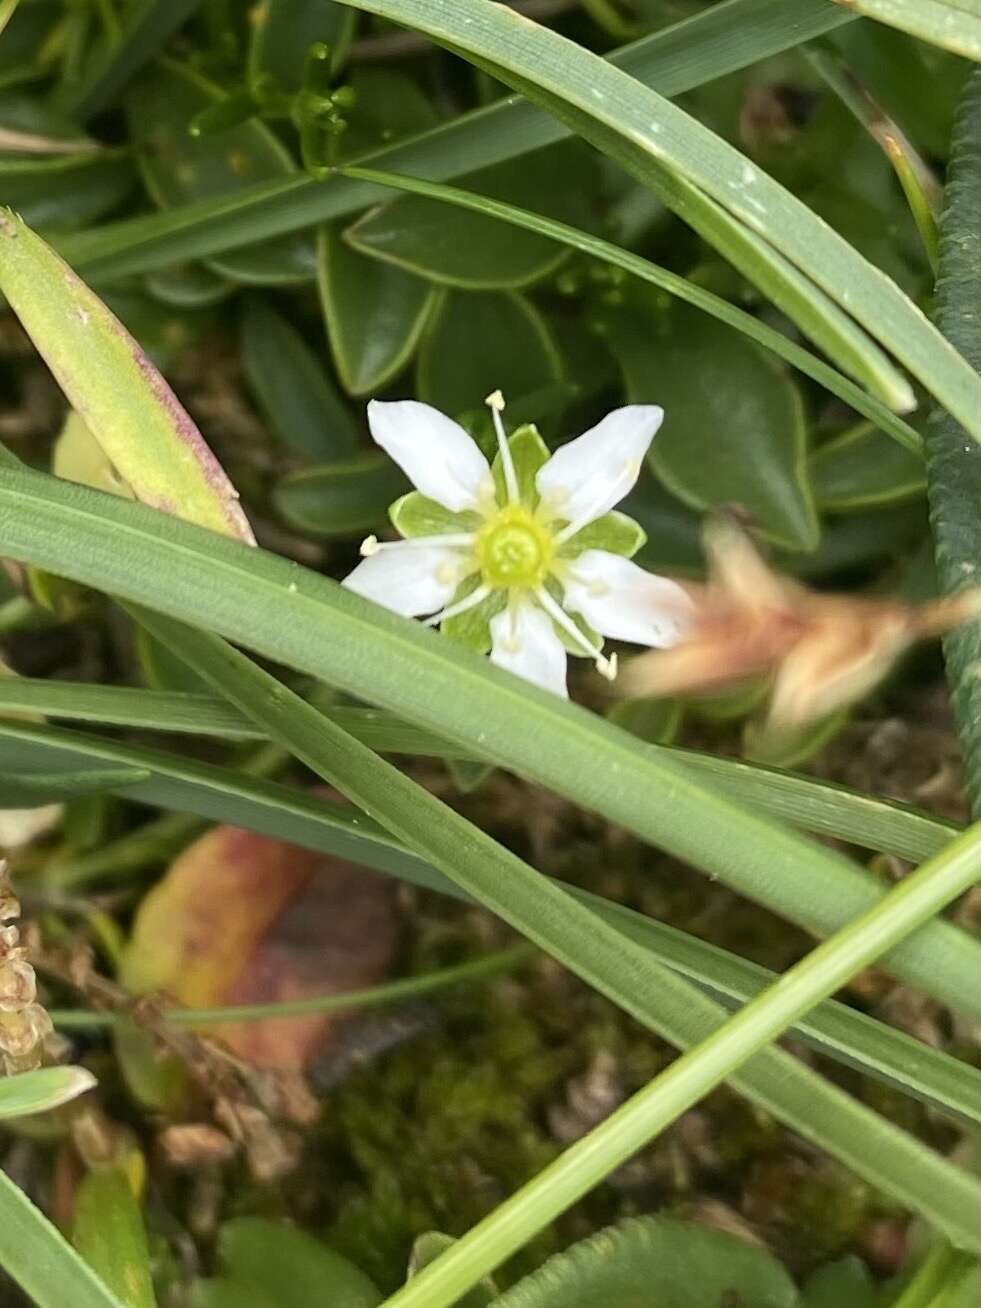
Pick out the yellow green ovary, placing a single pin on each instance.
(514, 549)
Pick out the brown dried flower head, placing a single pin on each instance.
(24, 1024)
(819, 651)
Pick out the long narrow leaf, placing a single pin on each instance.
(684, 289)
(721, 40)
(953, 24)
(953, 463)
(687, 1080)
(224, 795)
(818, 806)
(114, 387)
(243, 593)
(631, 122)
(42, 1262)
(591, 947)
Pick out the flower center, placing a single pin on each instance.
(513, 549)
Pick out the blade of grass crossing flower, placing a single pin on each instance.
(953, 463)
(38, 1257)
(622, 117)
(224, 795)
(697, 1072)
(579, 938)
(817, 806)
(952, 24)
(595, 246)
(244, 592)
(721, 40)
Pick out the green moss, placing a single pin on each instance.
(441, 1132)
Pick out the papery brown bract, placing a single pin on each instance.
(819, 651)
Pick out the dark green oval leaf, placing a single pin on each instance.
(734, 424)
(292, 1267)
(179, 169)
(222, 1292)
(476, 252)
(291, 384)
(389, 104)
(674, 540)
(283, 31)
(479, 343)
(863, 468)
(66, 192)
(845, 1282)
(188, 286)
(374, 313)
(337, 499)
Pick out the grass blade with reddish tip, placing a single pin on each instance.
(111, 383)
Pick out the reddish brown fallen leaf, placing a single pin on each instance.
(820, 651)
(241, 918)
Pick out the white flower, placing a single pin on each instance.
(524, 559)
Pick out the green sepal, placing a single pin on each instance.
(473, 627)
(530, 453)
(613, 532)
(415, 514)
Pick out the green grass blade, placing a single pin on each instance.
(697, 1072)
(242, 593)
(953, 463)
(392, 992)
(832, 1028)
(725, 38)
(952, 24)
(579, 938)
(224, 795)
(42, 1262)
(632, 123)
(819, 806)
(642, 268)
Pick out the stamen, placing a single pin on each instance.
(371, 544)
(495, 402)
(461, 606)
(606, 667)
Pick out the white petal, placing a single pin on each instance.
(528, 646)
(433, 451)
(586, 477)
(407, 578)
(622, 601)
